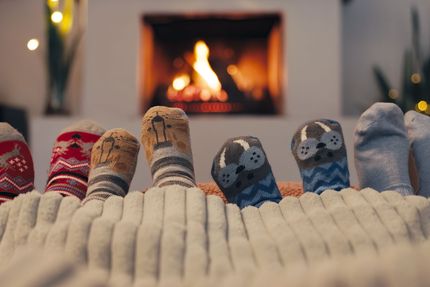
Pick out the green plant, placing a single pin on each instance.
(415, 86)
(61, 51)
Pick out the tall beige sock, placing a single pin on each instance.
(166, 139)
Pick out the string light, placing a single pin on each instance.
(422, 106)
(32, 44)
(416, 78)
(393, 94)
(57, 17)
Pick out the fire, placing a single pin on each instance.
(203, 68)
(203, 85)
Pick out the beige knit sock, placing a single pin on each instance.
(113, 163)
(166, 139)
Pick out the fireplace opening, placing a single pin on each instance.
(212, 63)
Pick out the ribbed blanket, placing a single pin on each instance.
(180, 237)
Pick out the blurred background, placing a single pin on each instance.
(236, 67)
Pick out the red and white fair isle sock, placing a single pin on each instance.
(16, 164)
(69, 168)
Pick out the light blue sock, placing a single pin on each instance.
(418, 127)
(382, 149)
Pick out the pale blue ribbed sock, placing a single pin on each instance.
(382, 149)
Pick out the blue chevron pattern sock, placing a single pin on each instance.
(382, 149)
(319, 149)
(243, 173)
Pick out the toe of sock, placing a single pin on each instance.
(7, 132)
(380, 117)
(85, 126)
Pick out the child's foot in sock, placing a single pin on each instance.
(382, 149)
(113, 163)
(16, 164)
(68, 172)
(166, 139)
(243, 173)
(418, 128)
(319, 149)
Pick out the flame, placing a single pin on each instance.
(203, 68)
(180, 82)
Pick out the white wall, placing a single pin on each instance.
(377, 32)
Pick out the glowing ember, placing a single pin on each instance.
(180, 82)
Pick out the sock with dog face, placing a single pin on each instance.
(418, 128)
(319, 149)
(166, 139)
(113, 163)
(16, 164)
(69, 167)
(243, 173)
(382, 149)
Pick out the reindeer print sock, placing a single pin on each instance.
(16, 164)
(166, 139)
(319, 149)
(382, 149)
(69, 167)
(113, 163)
(418, 128)
(243, 173)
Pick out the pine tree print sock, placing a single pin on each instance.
(382, 149)
(69, 166)
(418, 129)
(113, 163)
(243, 173)
(16, 164)
(319, 149)
(166, 139)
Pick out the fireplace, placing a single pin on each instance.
(212, 63)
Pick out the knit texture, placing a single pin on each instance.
(175, 236)
(16, 164)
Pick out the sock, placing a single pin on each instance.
(243, 173)
(69, 166)
(166, 139)
(319, 149)
(382, 149)
(418, 129)
(113, 163)
(16, 164)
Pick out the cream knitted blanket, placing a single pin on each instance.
(174, 236)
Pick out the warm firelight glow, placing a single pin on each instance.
(203, 68)
(180, 82)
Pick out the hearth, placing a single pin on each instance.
(213, 63)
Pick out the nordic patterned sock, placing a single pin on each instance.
(16, 164)
(113, 163)
(382, 149)
(319, 149)
(243, 173)
(418, 128)
(69, 167)
(166, 139)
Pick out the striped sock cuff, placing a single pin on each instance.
(110, 183)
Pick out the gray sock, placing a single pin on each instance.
(382, 149)
(418, 127)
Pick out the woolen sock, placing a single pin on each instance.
(319, 149)
(16, 164)
(418, 129)
(382, 149)
(69, 166)
(166, 139)
(243, 173)
(113, 163)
